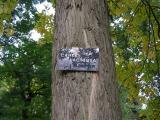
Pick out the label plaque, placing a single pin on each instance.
(78, 59)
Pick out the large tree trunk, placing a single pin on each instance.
(84, 95)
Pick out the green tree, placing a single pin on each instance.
(135, 32)
(25, 70)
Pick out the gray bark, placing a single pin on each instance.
(84, 95)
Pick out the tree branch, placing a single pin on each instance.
(154, 15)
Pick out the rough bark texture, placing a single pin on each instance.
(84, 95)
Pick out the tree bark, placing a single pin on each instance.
(84, 95)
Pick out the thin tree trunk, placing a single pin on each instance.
(84, 95)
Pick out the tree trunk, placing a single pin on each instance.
(84, 95)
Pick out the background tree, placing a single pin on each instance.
(25, 66)
(135, 32)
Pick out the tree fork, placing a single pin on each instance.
(84, 95)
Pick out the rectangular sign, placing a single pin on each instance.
(78, 59)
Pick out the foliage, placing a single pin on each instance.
(25, 66)
(6, 11)
(135, 33)
(28, 78)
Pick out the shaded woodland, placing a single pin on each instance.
(25, 63)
